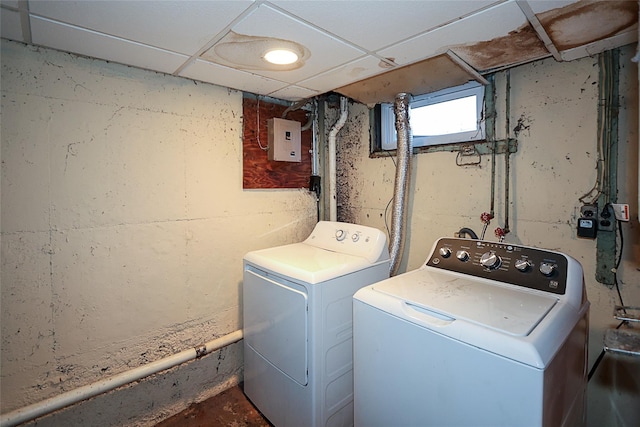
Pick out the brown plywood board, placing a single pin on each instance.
(257, 170)
(430, 75)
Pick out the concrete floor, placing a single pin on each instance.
(230, 408)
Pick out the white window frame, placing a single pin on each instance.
(387, 117)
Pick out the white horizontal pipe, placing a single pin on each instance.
(71, 397)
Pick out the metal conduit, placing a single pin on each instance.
(402, 181)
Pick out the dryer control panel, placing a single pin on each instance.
(352, 239)
(517, 265)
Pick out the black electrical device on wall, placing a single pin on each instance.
(588, 221)
(314, 185)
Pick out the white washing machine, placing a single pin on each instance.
(297, 311)
(483, 334)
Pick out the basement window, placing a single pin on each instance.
(449, 116)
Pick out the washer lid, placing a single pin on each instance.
(306, 263)
(498, 307)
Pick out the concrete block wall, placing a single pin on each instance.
(123, 221)
(554, 107)
(123, 226)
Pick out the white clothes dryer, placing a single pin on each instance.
(297, 312)
(483, 334)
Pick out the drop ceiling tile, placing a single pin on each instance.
(326, 52)
(178, 26)
(76, 40)
(345, 74)
(10, 25)
(377, 24)
(426, 76)
(491, 23)
(294, 93)
(599, 46)
(543, 6)
(229, 77)
(583, 23)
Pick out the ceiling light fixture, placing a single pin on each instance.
(281, 56)
(257, 53)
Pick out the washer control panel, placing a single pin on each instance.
(517, 265)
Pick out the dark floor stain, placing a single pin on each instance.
(231, 408)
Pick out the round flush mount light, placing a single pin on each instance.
(245, 52)
(281, 56)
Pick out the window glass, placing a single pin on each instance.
(448, 116)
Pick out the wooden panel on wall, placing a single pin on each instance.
(257, 170)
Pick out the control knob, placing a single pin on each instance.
(462, 255)
(445, 252)
(490, 260)
(340, 235)
(547, 269)
(522, 265)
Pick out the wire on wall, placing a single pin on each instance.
(604, 129)
(258, 126)
(608, 109)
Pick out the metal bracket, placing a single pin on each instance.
(500, 146)
(201, 350)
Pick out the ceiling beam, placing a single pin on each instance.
(537, 26)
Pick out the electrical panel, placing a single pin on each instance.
(284, 140)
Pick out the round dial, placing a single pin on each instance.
(340, 235)
(462, 255)
(547, 269)
(490, 260)
(355, 237)
(445, 252)
(522, 265)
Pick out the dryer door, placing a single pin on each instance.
(275, 322)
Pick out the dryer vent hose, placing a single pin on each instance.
(402, 181)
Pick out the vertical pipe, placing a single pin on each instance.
(314, 180)
(333, 133)
(490, 129)
(314, 138)
(402, 180)
(507, 153)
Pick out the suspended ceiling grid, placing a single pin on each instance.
(353, 47)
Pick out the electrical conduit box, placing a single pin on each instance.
(284, 140)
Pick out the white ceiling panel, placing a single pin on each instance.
(229, 77)
(294, 93)
(380, 24)
(96, 45)
(492, 23)
(345, 74)
(325, 52)
(178, 26)
(346, 40)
